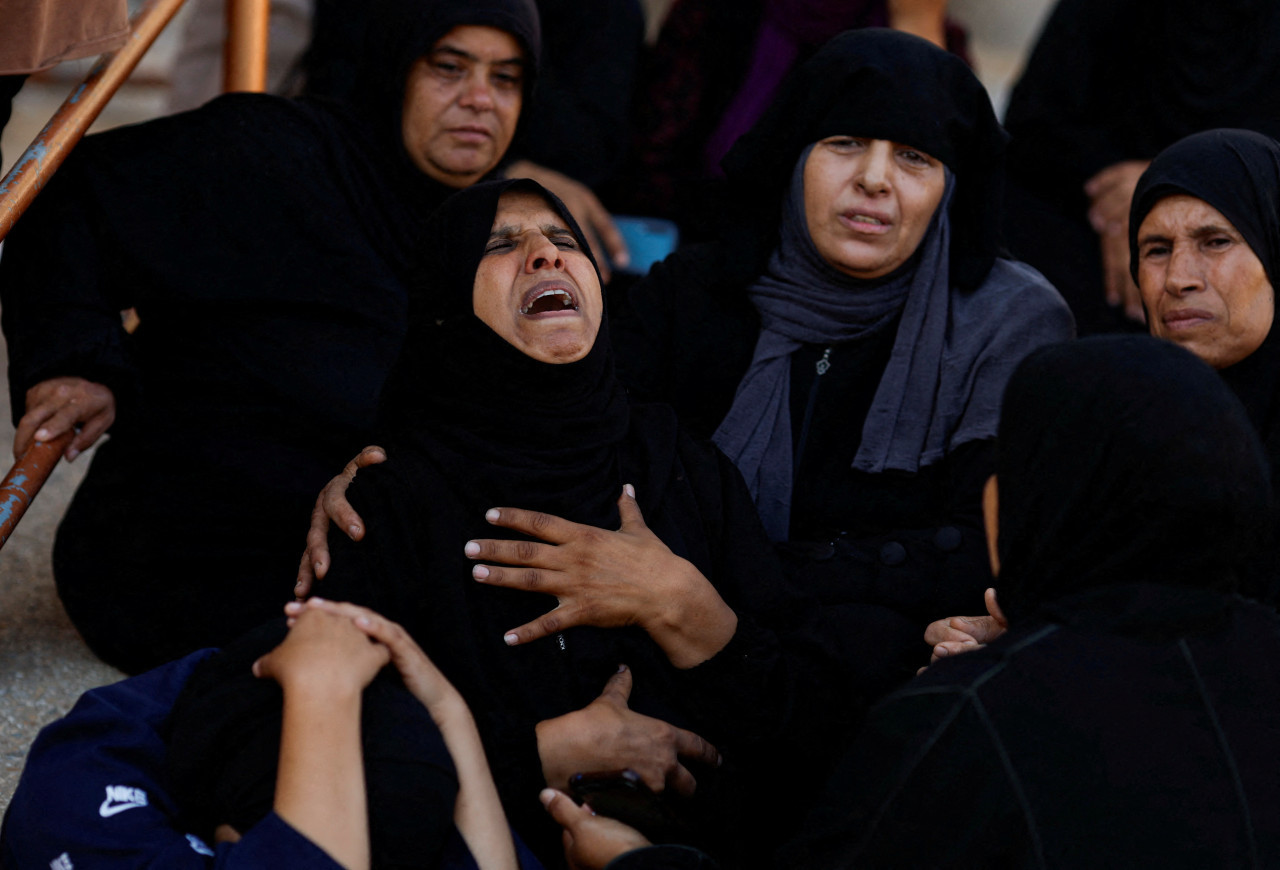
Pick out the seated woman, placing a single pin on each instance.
(848, 341)
(269, 246)
(177, 768)
(505, 395)
(1128, 717)
(1205, 250)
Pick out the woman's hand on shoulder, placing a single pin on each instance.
(606, 579)
(332, 506)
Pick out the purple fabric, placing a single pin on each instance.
(790, 28)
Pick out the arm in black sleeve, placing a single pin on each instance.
(62, 292)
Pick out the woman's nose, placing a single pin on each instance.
(1185, 274)
(543, 254)
(874, 177)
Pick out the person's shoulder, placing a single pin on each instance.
(220, 127)
(1015, 294)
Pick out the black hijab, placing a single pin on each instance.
(369, 116)
(881, 84)
(502, 426)
(954, 347)
(1238, 173)
(1122, 459)
(223, 740)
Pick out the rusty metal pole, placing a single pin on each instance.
(245, 58)
(24, 480)
(46, 153)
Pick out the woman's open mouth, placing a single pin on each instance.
(549, 298)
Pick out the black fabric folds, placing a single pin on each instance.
(270, 247)
(1124, 460)
(881, 84)
(224, 747)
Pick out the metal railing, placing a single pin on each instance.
(245, 70)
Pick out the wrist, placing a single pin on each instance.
(695, 625)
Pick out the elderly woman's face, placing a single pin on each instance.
(535, 286)
(462, 103)
(868, 202)
(1203, 286)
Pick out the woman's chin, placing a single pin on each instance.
(557, 348)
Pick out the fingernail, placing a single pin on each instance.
(364, 621)
(72, 454)
(297, 585)
(941, 652)
(492, 515)
(629, 489)
(293, 606)
(546, 796)
(471, 549)
(621, 669)
(511, 638)
(353, 529)
(719, 759)
(480, 572)
(316, 599)
(42, 434)
(623, 260)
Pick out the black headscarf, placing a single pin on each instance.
(881, 84)
(501, 425)
(1124, 460)
(224, 748)
(397, 33)
(953, 351)
(1238, 173)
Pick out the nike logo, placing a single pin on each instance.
(120, 798)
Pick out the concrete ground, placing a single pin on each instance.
(44, 666)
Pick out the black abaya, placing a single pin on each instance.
(471, 423)
(268, 246)
(1126, 718)
(904, 544)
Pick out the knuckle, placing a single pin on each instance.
(530, 579)
(525, 550)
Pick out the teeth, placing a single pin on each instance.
(545, 293)
(868, 219)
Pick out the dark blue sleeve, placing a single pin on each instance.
(93, 794)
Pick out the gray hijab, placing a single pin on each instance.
(953, 353)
